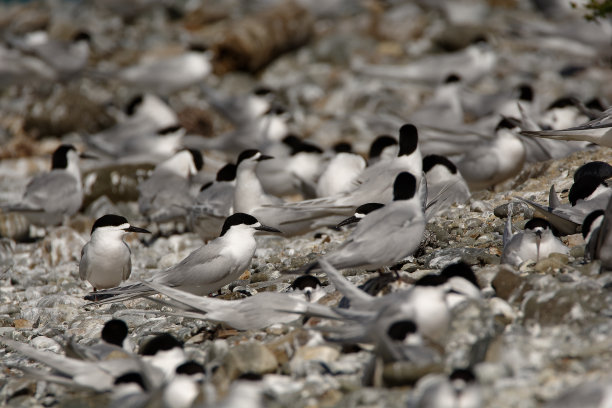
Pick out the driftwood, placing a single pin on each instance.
(249, 44)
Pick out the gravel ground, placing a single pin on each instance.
(540, 329)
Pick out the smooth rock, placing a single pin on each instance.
(506, 281)
(250, 357)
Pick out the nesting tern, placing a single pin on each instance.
(386, 236)
(445, 184)
(294, 173)
(213, 204)
(65, 58)
(170, 74)
(249, 193)
(536, 242)
(375, 183)
(94, 375)
(251, 313)
(360, 213)
(113, 344)
(427, 304)
(384, 147)
(588, 193)
(166, 194)
(206, 269)
(596, 231)
(458, 389)
(147, 130)
(50, 198)
(106, 258)
(339, 174)
(495, 161)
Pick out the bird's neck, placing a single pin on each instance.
(240, 243)
(249, 192)
(73, 169)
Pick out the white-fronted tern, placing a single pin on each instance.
(50, 198)
(206, 269)
(535, 243)
(166, 194)
(106, 258)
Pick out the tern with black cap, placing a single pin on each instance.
(50, 198)
(387, 235)
(106, 258)
(205, 270)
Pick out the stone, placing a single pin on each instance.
(250, 357)
(506, 282)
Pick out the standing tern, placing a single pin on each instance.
(106, 258)
(444, 183)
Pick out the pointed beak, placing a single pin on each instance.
(538, 240)
(349, 220)
(264, 157)
(137, 229)
(88, 156)
(266, 228)
(308, 295)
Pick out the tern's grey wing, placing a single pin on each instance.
(53, 191)
(127, 268)
(560, 219)
(512, 254)
(153, 71)
(164, 196)
(255, 312)
(205, 270)
(215, 200)
(84, 262)
(350, 291)
(97, 375)
(603, 121)
(383, 238)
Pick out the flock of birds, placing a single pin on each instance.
(384, 202)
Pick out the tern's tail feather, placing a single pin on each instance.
(350, 291)
(563, 224)
(349, 333)
(118, 294)
(20, 207)
(588, 135)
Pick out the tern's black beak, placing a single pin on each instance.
(538, 240)
(266, 228)
(264, 157)
(88, 156)
(137, 229)
(349, 220)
